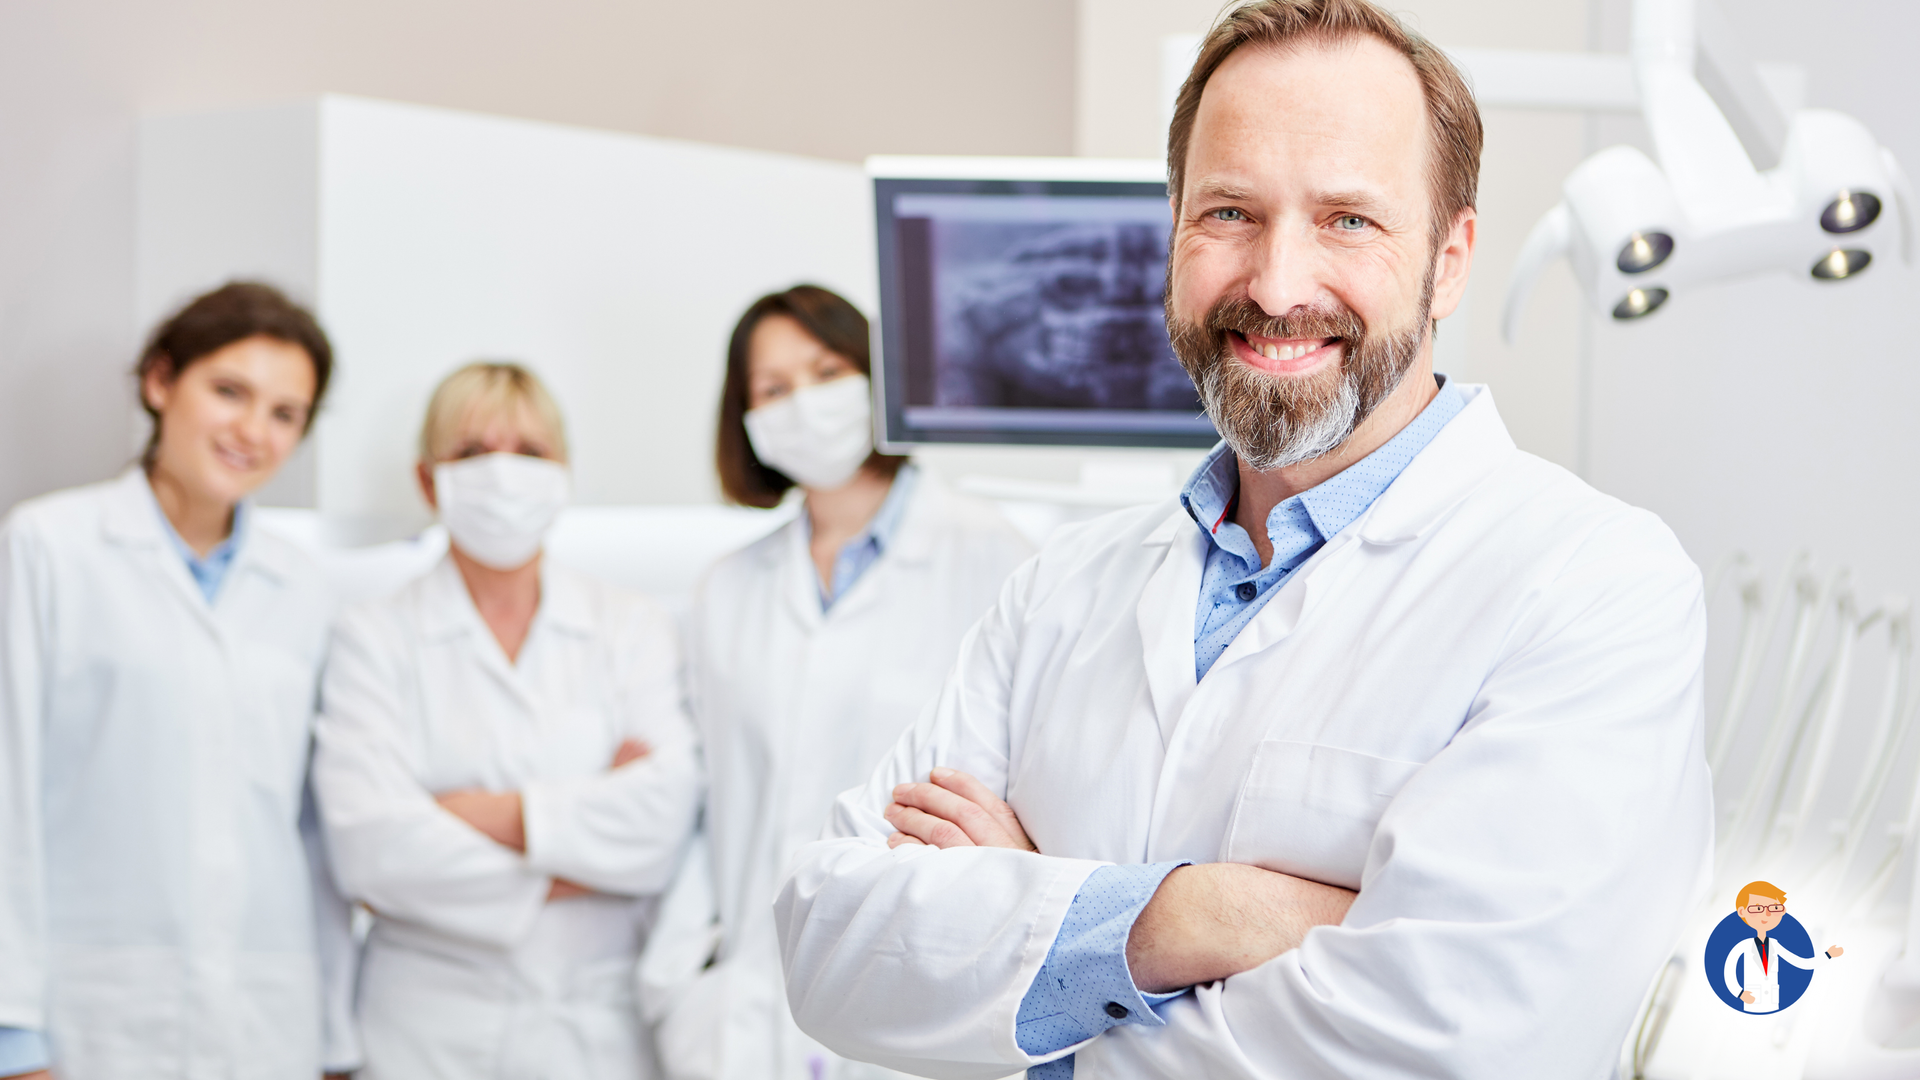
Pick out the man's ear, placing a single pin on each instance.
(1452, 263)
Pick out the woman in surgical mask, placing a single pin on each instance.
(505, 770)
(809, 653)
(160, 653)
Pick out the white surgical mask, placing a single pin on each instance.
(818, 435)
(498, 507)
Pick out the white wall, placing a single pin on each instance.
(614, 265)
(840, 80)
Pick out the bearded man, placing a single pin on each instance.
(1378, 754)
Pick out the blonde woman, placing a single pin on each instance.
(159, 660)
(505, 770)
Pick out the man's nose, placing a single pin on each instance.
(1286, 271)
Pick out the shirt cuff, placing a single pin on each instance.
(1084, 987)
(22, 1051)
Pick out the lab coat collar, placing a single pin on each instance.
(1460, 457)
(447, 609)
(1454, 464)
(927, 517)
(133, 519)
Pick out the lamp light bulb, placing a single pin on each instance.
(1639, 303)
(1841, 263)
(1850, 211)
(1643, 251)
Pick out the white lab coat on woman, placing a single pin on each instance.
(1479, 705)
(470, 972)
(1763, 980)
(794, 705)
(157, 895)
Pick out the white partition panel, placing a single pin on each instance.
(614, 264)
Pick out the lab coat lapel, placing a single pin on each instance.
(912, 545)
(1457, 461)
(799, 581)
(447, 612)
(132, 522)
(1166, 613)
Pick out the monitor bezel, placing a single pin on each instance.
(892, 432)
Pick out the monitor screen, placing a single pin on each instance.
(1028, 311)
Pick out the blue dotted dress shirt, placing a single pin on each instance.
(1084, 987)
(858, 555)
(1234, 586)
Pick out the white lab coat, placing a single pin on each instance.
(795, 705)
(1479, 705)
(1764, 982)
(157, 902)
(469, 972)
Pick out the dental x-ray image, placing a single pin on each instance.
(1053, 314)
(1030, 312)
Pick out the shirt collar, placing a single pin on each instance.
(885, 522)
(1342, 498)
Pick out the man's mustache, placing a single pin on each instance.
(1241, 315)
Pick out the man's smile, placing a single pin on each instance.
(1284, 356)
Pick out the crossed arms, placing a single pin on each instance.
(1205, 922)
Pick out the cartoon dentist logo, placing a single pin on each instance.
(1760, 959)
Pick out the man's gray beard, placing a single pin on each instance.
(1271, 422)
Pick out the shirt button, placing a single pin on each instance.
(1247, 590)
(1116, 1010)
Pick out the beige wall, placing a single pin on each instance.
(840, 80)
(1527, 155)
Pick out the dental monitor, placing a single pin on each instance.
(1021, 302)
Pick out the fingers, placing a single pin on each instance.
(927, 828)
(901, 839)
(629, 751)
(971, 789)
(980, 827)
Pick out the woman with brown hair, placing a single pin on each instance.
(159, 663)
(809, 653)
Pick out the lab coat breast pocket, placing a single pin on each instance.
(1310, 810)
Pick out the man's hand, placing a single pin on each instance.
(496, 814)
(1834, 953)
(1212, 920)
(562, 889)
(1746, 996)
(953, 810)
(37, 1074)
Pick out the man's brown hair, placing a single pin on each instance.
(1454, 134)
(1764, 888)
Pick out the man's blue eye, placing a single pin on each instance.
(1351, 222)
(1229, 214)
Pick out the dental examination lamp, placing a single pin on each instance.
(1740, 187)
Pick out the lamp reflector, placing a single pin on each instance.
(1643, 251)
(1850, 211)
(1639, 302)
(1841, 263)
